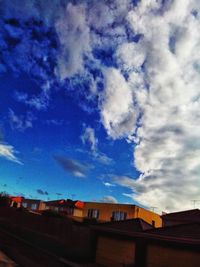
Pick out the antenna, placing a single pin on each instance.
(194, 201)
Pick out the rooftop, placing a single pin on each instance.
(193, 214)
(130, 225)
(189, 230)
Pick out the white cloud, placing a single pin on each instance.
(8, 152)
(117, 112)
(89, 137)
(108, 184)
(109, 199)
(167, 139)
(130, 55)
(74, 37)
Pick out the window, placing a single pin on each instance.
(25, 205)
(153, 223)
(118, 216)
(93, 213)
(34, 206)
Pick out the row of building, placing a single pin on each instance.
(131, 236)
(101, 212)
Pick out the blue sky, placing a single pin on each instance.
(99, 100)
(56, 132)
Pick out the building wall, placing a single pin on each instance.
(34, 205)
(106, 210)
(115, 253)
(160, 256)
(78, 213)
(148, 216)
(15, 204)
(42, 206)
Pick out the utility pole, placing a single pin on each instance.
(194, 201)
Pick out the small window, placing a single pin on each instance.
(153, 223)
(34, 206)
(119, 216)
(93, 213)
(25, 205)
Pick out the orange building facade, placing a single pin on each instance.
(116, 212)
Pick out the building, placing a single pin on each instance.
(33, 204)
(69, 207)
(116, 212)
(55, 205)
(15, 201)
(181, 217)
(101, 212)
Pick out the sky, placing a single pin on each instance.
(100, 101)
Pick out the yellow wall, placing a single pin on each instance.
(78, 213)
(148, 216)
(158, 256)
(115, 253)
(42, 206)
(106, 209)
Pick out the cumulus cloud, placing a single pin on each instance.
(8, 152)
(74, 37)
(72, 166)
(131, 56)
(109, 199)
(164, 77)
(118, 114)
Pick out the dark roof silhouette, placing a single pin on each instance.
(189, 230)
(130, 225)
(61, 203)
(186, 215)
(30, 200)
